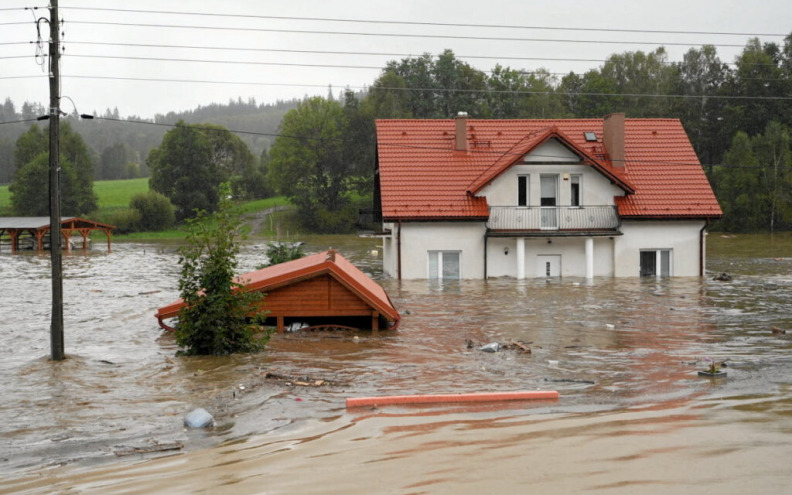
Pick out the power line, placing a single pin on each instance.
(245, 62)
(392, 35)
(436, 90)
(294, 64)
(382, 88)
(330, 52)
(22, 121)
(418, 23)
(327, 52)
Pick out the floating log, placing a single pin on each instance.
(452, 398)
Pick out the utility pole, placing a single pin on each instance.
(56, 327)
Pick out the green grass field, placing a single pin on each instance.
(5, 202)
(114, 195)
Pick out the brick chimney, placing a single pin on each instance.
(613, 138)
(460, 137)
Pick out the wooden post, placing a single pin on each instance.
(56, 327)
(280, 324)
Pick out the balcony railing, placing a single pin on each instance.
(553, 218)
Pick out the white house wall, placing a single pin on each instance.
(418, 238)
(596, 189)
(571, 249)
(681, 237)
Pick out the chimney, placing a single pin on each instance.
(613, 138)
(460, 138)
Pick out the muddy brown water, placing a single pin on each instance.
(633, 414)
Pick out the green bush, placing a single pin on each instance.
(125, 221)
(281, 252)
(219, 316)
(156, 211)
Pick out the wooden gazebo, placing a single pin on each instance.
(38, 228)
(322, 289)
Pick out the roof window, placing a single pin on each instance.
(590, 136)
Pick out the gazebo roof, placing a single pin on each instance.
(34, 223)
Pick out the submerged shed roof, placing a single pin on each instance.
(327, 263)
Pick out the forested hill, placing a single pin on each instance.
(126, 142)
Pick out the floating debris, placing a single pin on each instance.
(199, 418)
(723, 277)
(518, 345)
(491, 347)
(156, 447)
(300, 381)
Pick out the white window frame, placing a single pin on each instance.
(527, 178)
(659, 262)
(439, 266)
(579, 178)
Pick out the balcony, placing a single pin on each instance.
(554, 220)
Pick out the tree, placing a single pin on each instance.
(219, 317)
(755, 183)
(182, 169)
(31, 181)
(422, 87)
(507, 93)
(639, 73)
(737, 186)
(193, 160)
(231, 158)
(113, 162)
(772, 149)
(588, 96)
(701, 79)
(309, 163)
(359, 140)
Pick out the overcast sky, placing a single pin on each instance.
(252, 53)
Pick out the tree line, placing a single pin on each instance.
(738, 116)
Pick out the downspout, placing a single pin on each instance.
(485, 254)
(701, 247)
(398, 251)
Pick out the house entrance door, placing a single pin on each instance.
(548, 266)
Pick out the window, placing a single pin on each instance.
(522, 190)
(575, 196)
(548, 185)
(444, 265)
(656, 263)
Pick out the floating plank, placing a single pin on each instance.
(451, 398)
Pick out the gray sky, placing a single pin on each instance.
(95, 82)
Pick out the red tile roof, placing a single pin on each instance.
(422, 177)
(291, 272)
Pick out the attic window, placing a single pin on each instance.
(590, 136)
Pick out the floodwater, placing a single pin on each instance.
(633, 414)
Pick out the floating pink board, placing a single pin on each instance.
(442, 398)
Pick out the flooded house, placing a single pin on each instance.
(468, 198)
